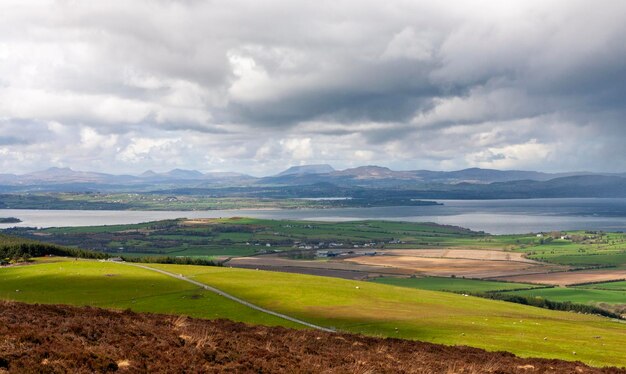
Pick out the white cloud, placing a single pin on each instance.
(410, 45)
(258, 86)
(91, 139)
(298, 149)
(141, 149)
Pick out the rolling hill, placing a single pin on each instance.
(347, 306)
(133, 342)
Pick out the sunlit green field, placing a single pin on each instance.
(601, 249)
(360, 307)
(617, 286)
(576, 295)
(453, 284)
(382, 310)
(111, 285)
(246, 236)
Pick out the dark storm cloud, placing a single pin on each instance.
(256, 86)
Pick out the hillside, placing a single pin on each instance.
(53, 338)
(348, 306)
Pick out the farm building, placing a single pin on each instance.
(324, 254)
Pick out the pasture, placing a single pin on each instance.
(382, 310)
(617, 286)
(119, 286)
(452, 284)
(576, 295)
(214, 238)
(352, 306)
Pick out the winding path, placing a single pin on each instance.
(233, 298)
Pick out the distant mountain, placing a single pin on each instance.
(148, 174)
(172, 174)
(473, 183)
(377, 176)
(373, 172)
(307, 169)
(183, 174)
(578, 186)
(8, 178)
(66, 175)
(477, 175)
(67, 180)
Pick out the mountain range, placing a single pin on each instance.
(466, 183)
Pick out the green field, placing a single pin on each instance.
(382, 310)
(453, 284)
(247, 236)
(580, 248)
(360, 307)
(576, 295)
(610, 296)
(617, 286)
(111, 285)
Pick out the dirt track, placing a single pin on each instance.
(59, 339)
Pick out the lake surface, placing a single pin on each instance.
(493, 216)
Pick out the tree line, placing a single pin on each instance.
(18, 249)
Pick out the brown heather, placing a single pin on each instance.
(61, 339)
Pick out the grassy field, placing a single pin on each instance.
(453, 284)
(617, 286)
(246, 236)
(577, 248)
(111, 285)
(576, 295)
(610, 296)
(361, 307)
(206, 200)
(382, 310)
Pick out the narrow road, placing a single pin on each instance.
(233, 298)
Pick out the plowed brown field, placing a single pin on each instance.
(60, 339)
(568, 278)
(448, 266)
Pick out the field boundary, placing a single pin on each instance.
(232, 297)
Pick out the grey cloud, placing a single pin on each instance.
(12, 140)
(448, 85)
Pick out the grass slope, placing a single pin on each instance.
(111, 285)
(361, 307)
(382, 310)
(452, 284)
(577, 295)
(618, 286)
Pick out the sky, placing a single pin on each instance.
(258, 86)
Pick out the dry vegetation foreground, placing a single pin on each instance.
(48, 339)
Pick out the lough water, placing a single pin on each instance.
(493, 216)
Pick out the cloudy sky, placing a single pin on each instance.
(257, 86)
